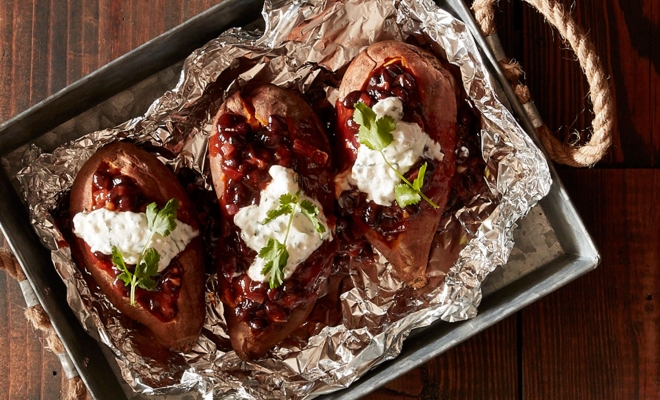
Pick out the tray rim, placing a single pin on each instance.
(83, 351)
(581, 252)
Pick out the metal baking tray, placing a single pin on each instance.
(552, 245)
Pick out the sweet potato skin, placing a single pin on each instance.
(438, 92)
(159, 185)
(249, 346)
(257, 103)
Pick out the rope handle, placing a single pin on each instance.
(75, 388)
(586, 155)
(599, 93)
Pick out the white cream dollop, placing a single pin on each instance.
(303, 239)
(372, 175)
(101, 229)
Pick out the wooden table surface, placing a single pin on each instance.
(596, 338)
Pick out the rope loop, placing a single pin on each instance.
(599, 90)
(74, 389)
(484, 12)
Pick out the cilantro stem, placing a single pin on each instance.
(288, 227)
(158, 221)
(407, 182)
(134, 277)
(133, 285)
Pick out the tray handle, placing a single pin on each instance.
(75, 388)
(601, 98)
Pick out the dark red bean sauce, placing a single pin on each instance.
(390, 80)
(468, 180)
(247, 155)
(114, 191)
(117, 192)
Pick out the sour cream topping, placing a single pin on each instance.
(303, 239)
(372, 175)
(101, 229)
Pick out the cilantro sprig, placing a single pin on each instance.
(275, 253)
(376, 134)
(161, 222)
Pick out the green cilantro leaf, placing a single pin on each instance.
(152, 212)
(288, 198)
(309, 210)
(385, 126)
(375, 134)
(276, 257)
(364, 115)
(165, 220)
(405, 195)
(118, 261)
(419, 181)
(147, 283)
(287, 205)
(147, 268)
(275, 253)
(162, 222)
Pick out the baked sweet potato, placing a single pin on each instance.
(428, 94)
(257, 130)
(122, 177)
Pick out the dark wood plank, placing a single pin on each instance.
(651, 23)
(172, 13)
(6, 56)
(90, 36)
(32, 372)
(57, 46)
(40, 30)
(74, 42)
(4, 321)
(22, 365)
(559, 87)
(51, 374)
(598, 337)
(490, 358)
(636, 24)
(190, 8)
(21, 56)
(483, 367)
(44, 45)
(157, 18)
(107, 31)
(141, 33)
(122, 28)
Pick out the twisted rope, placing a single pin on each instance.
(599, 92)
(484, 13)
(74, 389)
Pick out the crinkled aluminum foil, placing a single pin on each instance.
(303, 42)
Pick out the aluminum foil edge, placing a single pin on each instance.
(302, 41)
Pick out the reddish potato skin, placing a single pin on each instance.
(438, 97)
(256, 104)
(159, 185)
(249, 346)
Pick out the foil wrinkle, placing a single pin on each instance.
(305, 45)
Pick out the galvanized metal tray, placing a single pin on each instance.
(552, 246)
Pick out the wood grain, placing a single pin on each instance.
(595, 338)
(44, 46)
(483, 367)
(30, 371)
(625, 35)
(598, 337)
